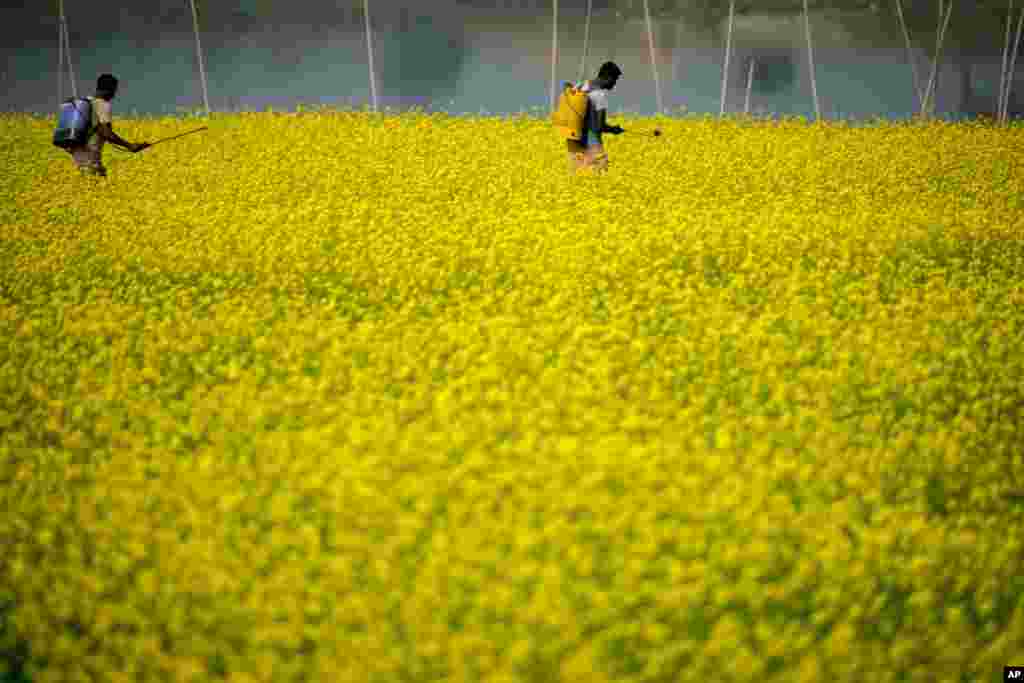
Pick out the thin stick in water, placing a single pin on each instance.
(1006, 59)
(930, 90)
(750, 82)
(554, 53)
(675, 56)
(199, 56)
(60, 52)
(916, 82)
(67, 56)
(728, 49)
(67, 51)
(1013, 66)
(810, 63)
(369, 54)
(654, 61)
(586, 40)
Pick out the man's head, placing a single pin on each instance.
(106, 87)
(608, 75)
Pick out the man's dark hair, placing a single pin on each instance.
(106, 83)
(609, 70)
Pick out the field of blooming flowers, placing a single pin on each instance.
(342, 397)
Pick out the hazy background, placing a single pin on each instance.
(468, 56)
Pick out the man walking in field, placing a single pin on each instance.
(89, 157)
(589, 152)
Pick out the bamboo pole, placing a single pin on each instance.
(750, 82)
(586, 40)
(675, 58)
(933, 80)
(369, 53)
(654, 61)
(66, 54)
(1006, 59)
(1013, 67)
(942, 39)
(929, 91)
(199, 56)
(554, 53)
(67, 58)
(60, 52)
(910, 56)
(810, 63)
(728, 50)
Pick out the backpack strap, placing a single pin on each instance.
(90, 127)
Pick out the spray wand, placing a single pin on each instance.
(173, 137)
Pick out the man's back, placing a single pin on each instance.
(102, 111)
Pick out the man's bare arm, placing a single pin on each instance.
(106, 131)
(605, 128)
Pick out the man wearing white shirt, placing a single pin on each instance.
(89, 157)
(589, 151)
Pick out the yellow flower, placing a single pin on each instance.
(582, 666)
(421, 419)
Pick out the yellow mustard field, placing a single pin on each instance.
(350, 397)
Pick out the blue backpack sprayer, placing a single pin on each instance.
(74, 125)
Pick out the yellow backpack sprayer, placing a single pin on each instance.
(568, 116)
